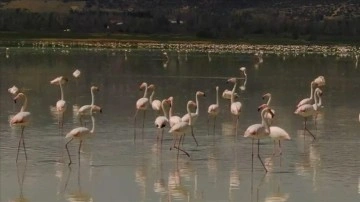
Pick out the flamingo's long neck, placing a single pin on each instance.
(217, 96)
(269, 100)
(189, 112)
(93, 124)
(171, 109)
(197, 104)
(233, 92)
(316, 98)
(311, 91)
(23, 107)
(92, 97)
(61, 90)
(163, 108)
(263, 121)
(152, 96)
(146, 90)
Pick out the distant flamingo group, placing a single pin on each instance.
(179, 126)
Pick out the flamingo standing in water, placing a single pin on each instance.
(235, 107)
(85, 109)
(227, 93)
(214, 109)
(258, 131)
(310, 99)
(142, 104)
(155, 104)
(79, 133)
(180, 129)
(60, 104)
(172, 118)
(162, 121)
(276, 133)
(21, 119)
(195, 115)
(308, 110)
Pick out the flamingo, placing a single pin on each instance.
(243, 70)
(180, 129)
(85, 109)
(276, 133)
(162, 121)
(214, 109)
(258, 131)
(227, 93)
(172, 119)
(310, 99)
(308, 110)
(21, 119)
(268, 116)
(195, 115)
(235, 107)
(61, 104)
(142, 104)
(155, 104)
(79, 133)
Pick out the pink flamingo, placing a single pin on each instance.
(79, 133)
(172, 118)
(85, 109)
(60, 104)
(155, 104)
(21, 119)
(214, 109)
(195, 115)
(142, 104)
(276, 133)
(180, 129)
(268, 116)
(258, 131)
(162, 121)
(310, 99)
(308, 110)
(235, 107)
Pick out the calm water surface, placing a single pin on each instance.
(115, 168)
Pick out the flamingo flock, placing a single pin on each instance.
(179, 126)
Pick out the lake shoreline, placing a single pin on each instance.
(251, 44)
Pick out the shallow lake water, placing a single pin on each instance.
(114, 167)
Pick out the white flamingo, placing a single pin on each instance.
(308, 110)
(61, 104)
(235, 107)
(310, 99)
(258, 131)
(214, 109)
(85, 109)
(180, 129)
(21, 119)
(142, 104)
(172, 118)
(162, 121)
(79, 133)
(195, 115)
(155, 104)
